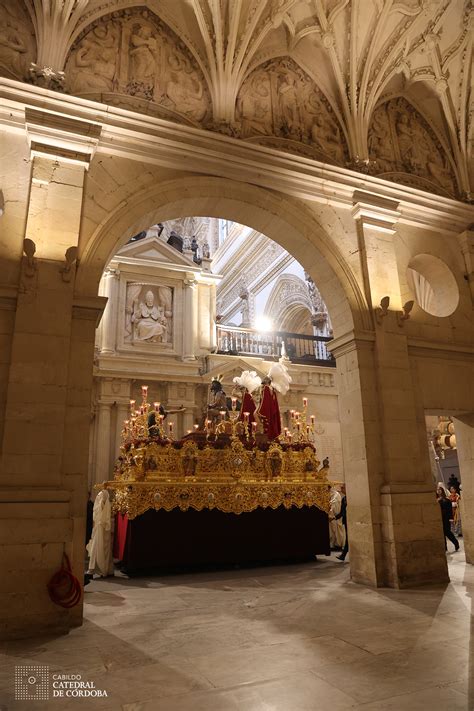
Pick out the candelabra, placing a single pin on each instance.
(137, 426)
(300, 430)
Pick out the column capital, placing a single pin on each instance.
(60, 137)
(375, 212)
(351, 341)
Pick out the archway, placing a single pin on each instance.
(286, 221)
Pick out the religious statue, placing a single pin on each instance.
(95, 61)
(246, 384)
(150, 322)
(143, 52)
(288, 104)
(217, 400)
(268, 411)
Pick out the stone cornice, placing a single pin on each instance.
(156, 141)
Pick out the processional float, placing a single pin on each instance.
(229, 463)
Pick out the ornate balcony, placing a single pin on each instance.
(303, 349)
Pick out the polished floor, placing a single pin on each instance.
(292, 638)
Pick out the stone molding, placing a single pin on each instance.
(62, 137)
(89, 308)
(156, 141)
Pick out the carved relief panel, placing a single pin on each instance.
(279, 99)
(148, 314)
(407, 150)
(17, 40)
(134, 54)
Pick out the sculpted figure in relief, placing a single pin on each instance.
(380, 145)
(288, 104)
(150, 322)
(143, 51)
(184, 89)
(95, 60)
(326, 135)
(13, 46)
(253, 107)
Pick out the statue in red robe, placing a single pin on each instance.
(269, 411)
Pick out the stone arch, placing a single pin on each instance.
(289, 304)
(287, 221)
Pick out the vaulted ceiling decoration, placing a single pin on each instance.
(310, 76)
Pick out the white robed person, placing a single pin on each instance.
(337, 533)
(100, 544)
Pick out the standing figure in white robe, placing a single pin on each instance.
(100, 544)
(337, 534)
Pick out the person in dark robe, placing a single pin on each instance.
(446, 515)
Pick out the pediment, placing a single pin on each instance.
(154, 249)
(232, 366)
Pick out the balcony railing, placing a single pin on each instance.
(310, 350)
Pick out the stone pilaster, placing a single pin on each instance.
(102, 464)
(109, 320)
(464, 430)
(190, 318)
(47, 399)
(394, 522)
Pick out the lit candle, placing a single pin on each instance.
(162, 417)
(290, 437)
(142, 409)
(305, 402)
(312, 420)
(246, 416)
(298, 426)
(156, 405)
(188, 431)
(222, 414)
(132, 405)
(171, 427)
(234, 403)
(307, 429)
(254, 427)
(196, 427)
(297, 415)
(144, 390)
(292, 413)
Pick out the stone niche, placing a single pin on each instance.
(161, 304)
(133, 60)
(148, 314)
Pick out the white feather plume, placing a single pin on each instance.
(249, 379)
(280, 377)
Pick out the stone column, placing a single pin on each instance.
(102, 462)
(464, 431)
(189, 317)
(188, 419)
(43, 470)
(394, 524)
(109, 319)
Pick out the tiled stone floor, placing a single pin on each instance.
(292, 638)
